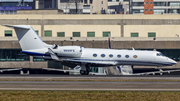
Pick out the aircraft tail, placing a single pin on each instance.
(28, 38)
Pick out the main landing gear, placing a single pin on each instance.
(84, 69)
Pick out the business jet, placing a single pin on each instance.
(73, 56)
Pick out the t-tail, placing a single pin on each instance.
(28, 38)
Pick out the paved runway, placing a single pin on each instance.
(41, 82)
(90, 77)
(79, 85)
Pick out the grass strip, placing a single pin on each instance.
(88, 96)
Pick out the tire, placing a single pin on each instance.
(86, 72)
(82, 72)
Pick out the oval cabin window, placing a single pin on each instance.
(118, 56)
(94, 55)
(110, 55)
(135, 56)
(127, 56)
(103, 55)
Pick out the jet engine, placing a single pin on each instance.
(67, 51)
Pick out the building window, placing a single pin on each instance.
(76, 34)
(90, 34)
(146, 9)
(118, 56)
(85, 1)
(91, 1)
(127, 56)
(150, 2)
(150, 9)
(151, 34)
(106, 34)
(38, 59)
(145, 2)
(60, 34)
(101, 2)
(8, 33)
(37, 32)
(94, 55)
(94, 69)
(13, 55)
(134, 35)
(48, 33)
(110, 55)
(103, 55)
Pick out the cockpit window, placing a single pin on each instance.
(157, 54)
(160, 54)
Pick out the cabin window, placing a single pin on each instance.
(127, 56)
(135, 56)
(103, 55)
(118, 56)
(110, 55)
(94, 55)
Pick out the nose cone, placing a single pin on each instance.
(172, 62)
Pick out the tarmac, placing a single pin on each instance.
(33, 82)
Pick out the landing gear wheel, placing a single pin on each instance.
(82, 72)
(86, 72)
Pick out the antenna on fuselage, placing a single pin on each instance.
(133, 48)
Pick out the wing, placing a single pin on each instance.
(157, 72)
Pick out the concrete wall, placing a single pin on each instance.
(118, 25)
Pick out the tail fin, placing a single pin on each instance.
(28, 38)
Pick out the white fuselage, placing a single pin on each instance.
(124, 57)
(110, 57)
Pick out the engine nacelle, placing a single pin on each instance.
(68, 51)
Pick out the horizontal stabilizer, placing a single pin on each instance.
(18, 26)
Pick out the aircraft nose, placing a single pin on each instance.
(172, 61)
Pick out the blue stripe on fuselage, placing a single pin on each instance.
(33, 53)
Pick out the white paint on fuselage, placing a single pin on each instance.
(146, 58)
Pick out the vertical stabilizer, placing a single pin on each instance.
(28, 38)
